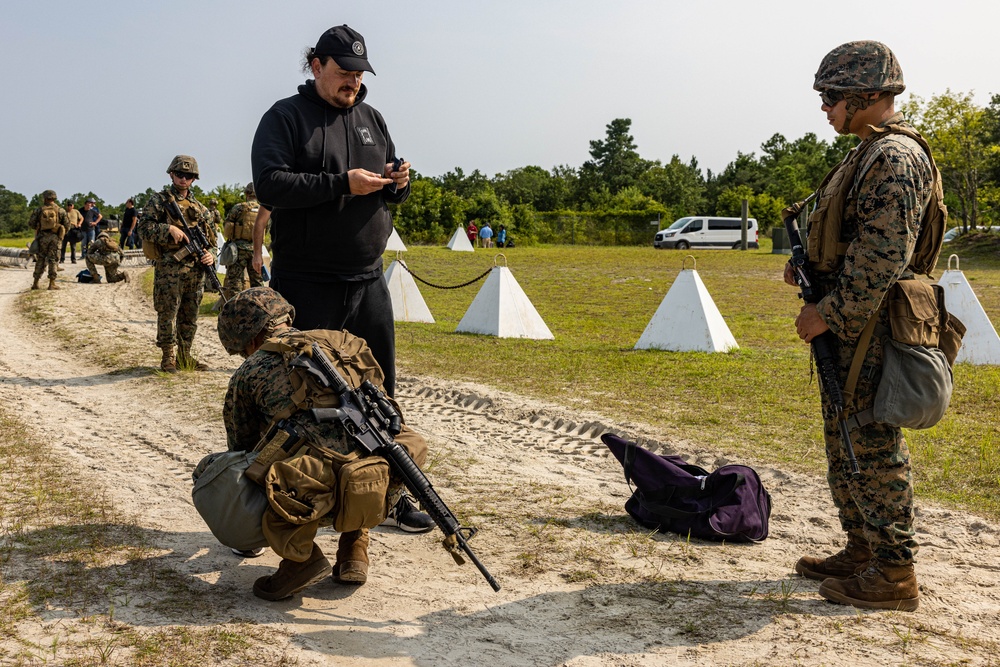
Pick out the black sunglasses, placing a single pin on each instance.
(184, 174)
(831, 97)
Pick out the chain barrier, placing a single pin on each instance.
(465, 284)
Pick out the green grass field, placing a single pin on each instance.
(754, 403)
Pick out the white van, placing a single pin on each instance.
(706, 232)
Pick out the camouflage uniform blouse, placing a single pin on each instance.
(260, 389)
(881, 221)
(154, 224)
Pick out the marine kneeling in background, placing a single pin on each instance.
(106, 252)
(316, 476)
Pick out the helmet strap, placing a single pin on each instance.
(858, 102)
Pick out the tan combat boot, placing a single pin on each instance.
(292, 577)
(881, 585)
(841, 565)
(52, 284)
(352, 558)
(168, 363)
(34, 285)
(187, 361)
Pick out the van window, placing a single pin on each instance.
(695, 226)
(725, 224)
(679, 223)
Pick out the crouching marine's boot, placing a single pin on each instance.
(881, 585)
(352, 558)
(168, 363)
(841, 565)
(34, 285)
(292, 576)
(52, 284)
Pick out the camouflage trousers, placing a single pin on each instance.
(877, 505)
(109, 261)
(48, 254)
(177, 292)
(236, 271)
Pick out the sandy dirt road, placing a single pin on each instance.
(582, 584)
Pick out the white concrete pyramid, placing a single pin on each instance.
(395, 243)
(502, 309)
(460, 241)
(407, 303)
(981, 344)
(687, 320)
(220, 240)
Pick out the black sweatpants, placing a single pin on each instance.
(363, 307)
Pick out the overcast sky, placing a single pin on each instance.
(100, 95)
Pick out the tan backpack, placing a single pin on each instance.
(242, 228)
(48, 218)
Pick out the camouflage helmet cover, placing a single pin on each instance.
(49, 195)
(860, 67)
(249, 190)
(246, 314)
(184, 163)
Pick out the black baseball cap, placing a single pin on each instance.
(346, 46)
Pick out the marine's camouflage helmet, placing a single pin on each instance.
(249, 190)
(246, 314)
(860, 67)
(184, 163)
(49, 195)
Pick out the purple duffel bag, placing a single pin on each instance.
(728, 504)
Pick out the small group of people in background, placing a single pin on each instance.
(483, 236)
(54, 225)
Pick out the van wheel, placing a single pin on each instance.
(739, 245)
(682, 245)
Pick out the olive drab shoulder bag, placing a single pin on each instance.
(231, 505)
(917, 359)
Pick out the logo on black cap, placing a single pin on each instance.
(359, 48)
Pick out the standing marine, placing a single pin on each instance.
(238, 230)
(50, 224)
(178, 279)
(877, 198)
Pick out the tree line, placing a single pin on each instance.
(617, 197)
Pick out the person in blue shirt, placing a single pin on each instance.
(486, 235)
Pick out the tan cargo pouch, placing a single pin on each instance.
(362, 487)
(300, 490)
(914, 317)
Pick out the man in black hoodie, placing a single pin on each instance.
(323, 162)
